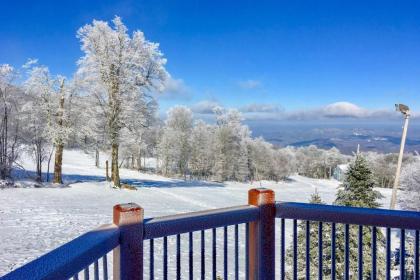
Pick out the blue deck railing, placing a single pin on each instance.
(234, 243)
(372, 220)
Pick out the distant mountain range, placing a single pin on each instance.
(380, 137)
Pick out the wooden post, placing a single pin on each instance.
(128, 256)
(106, 167)
(262, 235)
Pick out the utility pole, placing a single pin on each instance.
(406, 112)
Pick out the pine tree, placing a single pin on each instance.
(313, 247)
(357, 190)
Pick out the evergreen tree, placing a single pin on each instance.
(357, 190)
(313, 247)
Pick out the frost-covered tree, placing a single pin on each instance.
(202, 150)
(409, 196)
(231, 151)
(139, 130)
(261, 158)
(52, 102)
(318, 163)
(116, 68)
(284, 163)
(383, 167)
(10, 105)
(175, 144)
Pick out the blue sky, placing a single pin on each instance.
(263, 57)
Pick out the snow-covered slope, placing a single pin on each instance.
(35, 220)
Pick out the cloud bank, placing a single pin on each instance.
(334, 111)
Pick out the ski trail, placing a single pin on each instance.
(200, 204)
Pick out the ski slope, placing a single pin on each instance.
(34, 221)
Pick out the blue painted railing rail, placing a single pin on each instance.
(72, 257)
(366, 219)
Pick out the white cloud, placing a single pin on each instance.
(175, 89)
(205, 107)
(342, 109)
(260, 108)
(249, 84)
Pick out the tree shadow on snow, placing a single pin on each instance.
(77, 178)
(175, 183)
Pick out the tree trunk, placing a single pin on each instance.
(38, 147)
(48, 166)
(115, 174)
(58, 162)
(107, 174)
(97, 158)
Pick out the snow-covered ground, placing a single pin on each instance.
(35, 220)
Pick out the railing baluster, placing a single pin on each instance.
(86, 273)
(105, 267)
(190, 256)
(178, 257)
(152, 259)
(346, 253)
(96, 270)
(236, 252)
(388, 254)
(416, 256)
(295, 268)
(225, 253)
(282, 249)
(402, 254)
(373, 253)
(320, 253)
(246, 251)
(214, 254)
(165, 258)
(360, 252)
(308, 250)
(333, 245)
(203, 256)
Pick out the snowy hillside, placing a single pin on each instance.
(36, 220)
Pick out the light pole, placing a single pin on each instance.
(406, 112)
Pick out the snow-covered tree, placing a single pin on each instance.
(409, 195)
(383, 167)
(318, 163)
(231, 151)
(10, 105)
(52, 103)
(116, 68)
(175, 144)
(139, 129)
(202, 150)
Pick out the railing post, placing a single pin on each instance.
(262, 236)
(128, 256)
